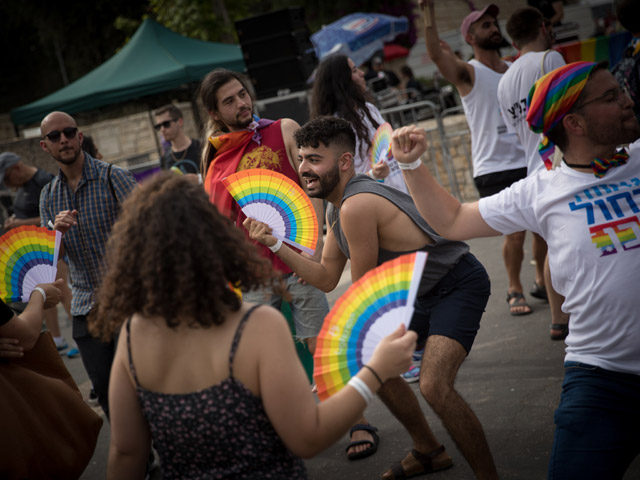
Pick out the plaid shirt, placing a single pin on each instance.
(97, 208)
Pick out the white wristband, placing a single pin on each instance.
(410, 166)
(362, 388)
(44, 295)
(274, 248)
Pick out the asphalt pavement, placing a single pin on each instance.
(512, 380)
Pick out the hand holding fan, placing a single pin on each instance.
(278, 201)
(369, 310)
(381, 144)
(28, 256)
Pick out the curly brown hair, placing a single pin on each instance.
(172, 254)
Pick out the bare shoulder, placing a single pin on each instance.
(265, 321)
(288, 126)
(362, 204)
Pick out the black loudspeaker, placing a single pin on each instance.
(294, 106)
(277, 51)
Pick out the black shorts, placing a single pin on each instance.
(454, 307)
(492, 183)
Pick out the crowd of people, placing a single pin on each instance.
(173, 265)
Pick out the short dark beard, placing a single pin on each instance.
(490, 44)
(70, 161)
(328, 182)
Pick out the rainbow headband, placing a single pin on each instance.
(551, 97)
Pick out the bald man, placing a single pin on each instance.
(83, 202)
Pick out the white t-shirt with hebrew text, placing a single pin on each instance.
(592, 228)
(513, 91)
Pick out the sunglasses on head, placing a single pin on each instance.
(165, 124)
(69, 132)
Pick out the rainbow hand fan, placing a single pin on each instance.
(28, 256)
(278, 201)
(369, 310)
(381, 144)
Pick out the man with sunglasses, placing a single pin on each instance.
(588, 211)
(83, 202)
(533, 37)
(183, 150)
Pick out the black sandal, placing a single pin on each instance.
(425, 460)
(369, 451)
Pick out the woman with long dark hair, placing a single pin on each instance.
(339, 89)
(215, 382)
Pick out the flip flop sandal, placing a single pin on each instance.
(426, 462)
(538, 291)
(373, 444)
(520, 302)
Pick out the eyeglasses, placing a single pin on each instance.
(54, 137)
(610, 96)
(165, 124)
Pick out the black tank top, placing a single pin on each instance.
(220, 432)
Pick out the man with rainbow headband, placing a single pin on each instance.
(238, 141)
(588, 211)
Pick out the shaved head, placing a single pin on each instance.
(54, 117)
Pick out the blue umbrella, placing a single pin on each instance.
(358, 35)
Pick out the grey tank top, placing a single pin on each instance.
(443, 254)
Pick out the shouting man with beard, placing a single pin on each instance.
(83, 202)
(370, 223)
(498, 157)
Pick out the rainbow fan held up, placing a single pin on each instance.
(278, 201)
(28, 256)
(369, 310)
(381, 144)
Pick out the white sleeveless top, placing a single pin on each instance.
(493, 149)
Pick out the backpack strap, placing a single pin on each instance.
(542, 72)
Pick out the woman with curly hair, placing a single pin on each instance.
(214, 382)
(339, 89)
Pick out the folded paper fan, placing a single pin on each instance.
(28, 256)
(278, 201)
(369, 310)
(381, 144)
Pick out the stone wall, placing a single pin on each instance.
(126, 141)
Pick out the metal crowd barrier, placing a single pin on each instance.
(415, 112)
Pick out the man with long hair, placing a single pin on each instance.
(237, 140)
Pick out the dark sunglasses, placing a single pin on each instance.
(69, 132)
(165, 124)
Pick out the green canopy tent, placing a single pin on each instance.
(154, 60)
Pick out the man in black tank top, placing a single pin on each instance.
(369, 223)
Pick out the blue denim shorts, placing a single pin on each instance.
(597, 424)
(454, 306)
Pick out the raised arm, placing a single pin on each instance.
(306, 427)
(450, 218)
(453, 69)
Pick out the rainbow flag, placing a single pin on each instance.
(606, 47)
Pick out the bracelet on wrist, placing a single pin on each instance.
(274, 248)
(362, 388)
(410, 166)
(44, 295)
(374, 374)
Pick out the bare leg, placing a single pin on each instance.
(311, 344)
(512, 253)
(399, 398)
(440, 363)
(539, 247)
